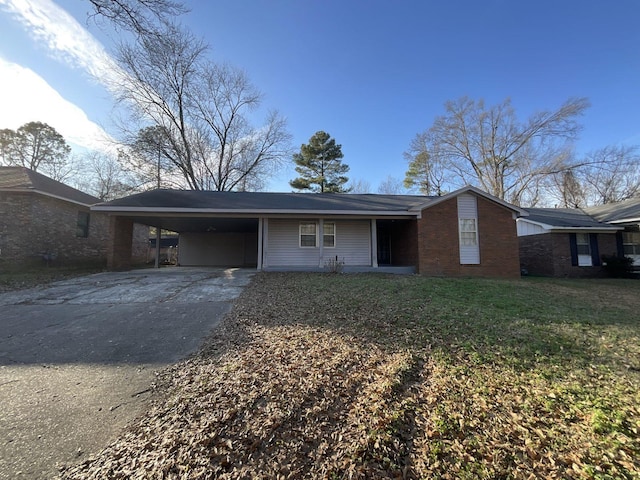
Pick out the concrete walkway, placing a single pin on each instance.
(78, 357)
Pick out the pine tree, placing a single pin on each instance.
(320, 167)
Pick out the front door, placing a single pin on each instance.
(383, 234)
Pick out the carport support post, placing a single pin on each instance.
(374, 243)
(158, 235)
(120, 240)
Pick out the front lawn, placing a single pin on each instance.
(372, 376)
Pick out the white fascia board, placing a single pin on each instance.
(626, 220)
(253, 213)
(587, 229)
(551, 228)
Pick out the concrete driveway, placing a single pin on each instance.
(78, 357)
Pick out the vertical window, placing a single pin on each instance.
(308, 234)
(82, 227)
(468, 232)
(583, 247)
(329, 235)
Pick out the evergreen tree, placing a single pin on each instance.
(320, 167)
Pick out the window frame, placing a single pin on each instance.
(633, 243)
(314, 234)
(462, 230)
(325, 234)
(82, 224)
(586, 253)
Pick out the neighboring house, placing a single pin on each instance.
(45, 221)
(465, 233)
(564, 242)
(626, 215)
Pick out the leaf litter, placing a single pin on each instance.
(321, 376)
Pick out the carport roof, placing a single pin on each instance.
(186, 201)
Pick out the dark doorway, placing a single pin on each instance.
(383, 234)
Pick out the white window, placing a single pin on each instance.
(308, 234)
(631, 243)
(468, 232)
(329, 234)
(583, 248)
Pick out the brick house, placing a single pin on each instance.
(465, 233)
(45, 221)
(564, 242)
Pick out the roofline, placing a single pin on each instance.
(469, 188)
(46, 194)
(626, 220)
(552, 228)
(252, 212)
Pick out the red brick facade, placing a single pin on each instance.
(549, 254)
(438, 243)
(40, 229)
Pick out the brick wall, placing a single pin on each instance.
(32, 225)
(439, 245)
(404, 243)
(549, 254)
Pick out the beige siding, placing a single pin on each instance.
(353, 244)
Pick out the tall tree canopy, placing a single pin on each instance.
(138, 16)
(37, 146)
(203, 110)
(320, 166)
(488, 146)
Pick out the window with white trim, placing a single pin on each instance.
(468, 232)
(583, 248)
(308, 234)
(329, 234)
(631, 243)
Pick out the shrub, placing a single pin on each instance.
(618, 267)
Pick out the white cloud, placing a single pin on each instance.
(27, 97)
(65, 39)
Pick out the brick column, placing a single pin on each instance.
(119, 243)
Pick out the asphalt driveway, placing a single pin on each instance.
(78, 357)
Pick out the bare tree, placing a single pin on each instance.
(609, 174)
(490, 148)
(391, 186)
(142, 17)
(203, 111)
(359, 186)
(104, 177)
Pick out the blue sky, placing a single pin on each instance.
(372, 74)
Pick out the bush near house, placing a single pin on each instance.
(618, 267)
(372, 376)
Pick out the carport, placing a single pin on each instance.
(203, 240)
(276, 231)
